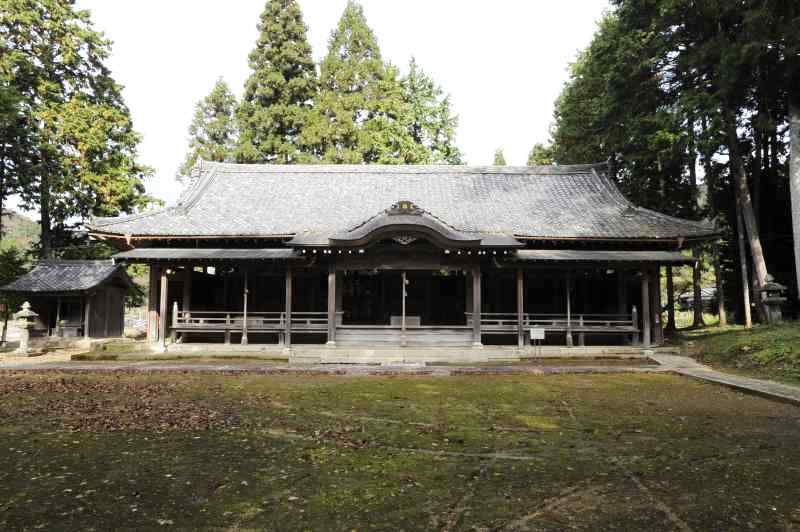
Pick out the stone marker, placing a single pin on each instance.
(25, 318)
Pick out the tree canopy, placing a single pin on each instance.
(280, 91)
(499, 157)
(212, 133)
(360, 115)
(79, 148)
(676, 94)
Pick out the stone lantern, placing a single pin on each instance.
(772, 295)
(25, 321)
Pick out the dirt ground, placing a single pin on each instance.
(308, 452)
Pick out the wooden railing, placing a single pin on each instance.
(508, 321)
(220, 321)
(581, 324)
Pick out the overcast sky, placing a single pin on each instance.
(503, 62)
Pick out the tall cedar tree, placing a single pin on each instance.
(499, 157)
(540, 155)
(279, 93)
(670, 85)
(361, 115)
(433, 124)
(15, 152)
(83, 158)
(212, 133)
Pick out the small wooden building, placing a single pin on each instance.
(404, 256)
(75, 297)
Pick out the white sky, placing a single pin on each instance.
(503, 62)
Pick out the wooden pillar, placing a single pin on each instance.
(87, 310)
(287, 334)
(152, 304)
(568, 295)
(244, 307)
(332, 300)
(162, 308)
(655, 291)
(58, 316)
(476, 306)
(404, 283)
(670, 300)
(645, 309)
(187, 289)
(520, 307)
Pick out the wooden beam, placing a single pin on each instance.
(568, 296)
(404, 283)
(58, 316)
(476, 306)
(187, 288)
(245, 291)
(152, 304)
(520, 307)
(87, 309)
(655, 291)
(670, 300)
(287, 335)
(162, 308)
(332, 301)
(645, 309)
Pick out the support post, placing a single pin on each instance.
(403, 341)
(476, 306)
(58, 316)
(287, 334)
(87, 309)
(655, 291)
(645, 309)
(244, 308)
(635, 322)
(173, 333)
(162, 309)
(152, 304)
(187, 289)
(332, 300)
(670, 300)
(520, 307)
(568, 294)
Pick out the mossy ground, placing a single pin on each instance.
(766, 351)
(302, 452)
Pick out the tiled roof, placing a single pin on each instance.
(575, 255)
(315, 202)
(203, 254)
(59, 276)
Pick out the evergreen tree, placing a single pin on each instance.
(12, 265)
(499, 158)
(433, 124)
(540, 155)
(361, 115)
(82, 156)
(280, 91)
(212, 133)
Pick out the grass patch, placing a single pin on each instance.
(766, 351)
(213, 451)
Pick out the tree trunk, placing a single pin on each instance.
(723, 314)
(46, 250)
(697, 300)
(746, 207)
(748, 320)
(794, 180)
